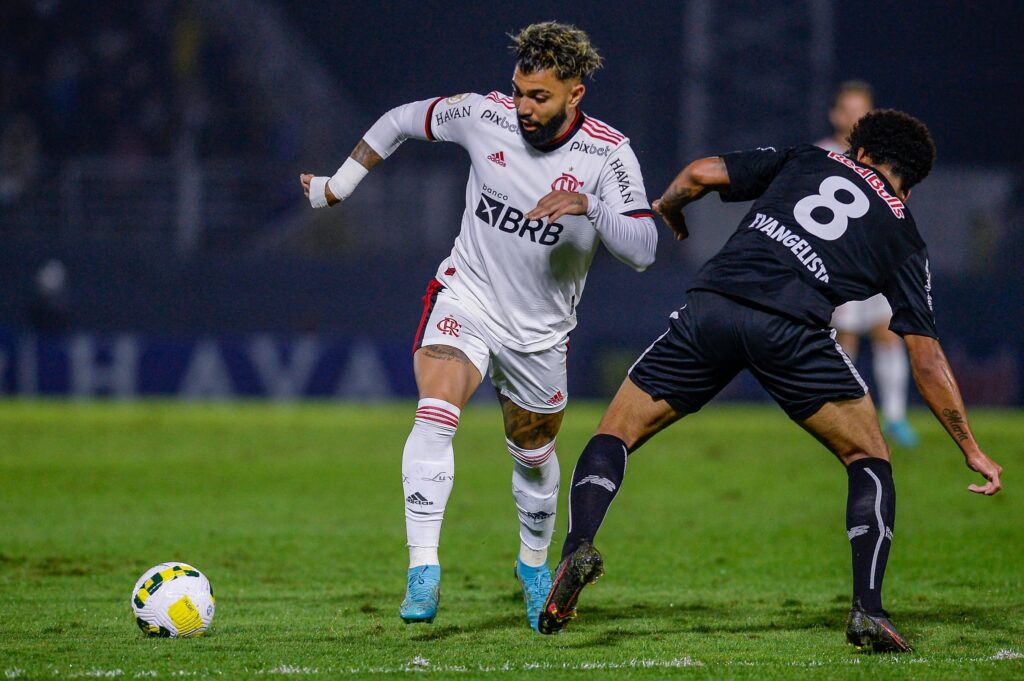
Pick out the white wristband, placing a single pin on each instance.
(348, 177)
(317, 195)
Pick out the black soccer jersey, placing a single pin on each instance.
(823, 230)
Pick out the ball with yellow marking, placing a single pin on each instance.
(173, 600)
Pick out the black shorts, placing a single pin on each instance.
(713, 337)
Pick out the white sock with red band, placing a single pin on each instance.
(535, 477)
(428, 475)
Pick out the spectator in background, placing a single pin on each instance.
(49, 311)
(871, 317)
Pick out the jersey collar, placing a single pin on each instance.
(561, 140)
(879, 174)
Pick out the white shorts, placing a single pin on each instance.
(535, 381)
(860, 316)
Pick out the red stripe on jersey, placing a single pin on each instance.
(598, 125)
(429, 298)
(640, 214)
(593, 127)
(498, 99)
(600, 136)
(426, 122)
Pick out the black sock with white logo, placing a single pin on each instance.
(870, 512)
(595, 482)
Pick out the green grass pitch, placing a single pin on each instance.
(726, 551)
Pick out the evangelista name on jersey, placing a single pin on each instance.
(523, 277)
(800, 248)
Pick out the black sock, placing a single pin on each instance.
(595, 482)
(870, 512)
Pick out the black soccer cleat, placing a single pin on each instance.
(864, 630)
(581, 567)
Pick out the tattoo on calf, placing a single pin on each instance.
(956, 423)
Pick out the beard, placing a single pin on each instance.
(546, 133)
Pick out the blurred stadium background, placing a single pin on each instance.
(155, 240)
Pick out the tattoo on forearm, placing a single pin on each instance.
(957, 423)
(365, 155)
(675, 197)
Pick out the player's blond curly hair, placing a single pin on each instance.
(551, 45)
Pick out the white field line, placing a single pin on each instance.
(423, 665)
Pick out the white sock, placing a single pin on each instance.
(892, 372)
(428, 475)
(535, 477)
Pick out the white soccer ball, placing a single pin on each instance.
(173, 600)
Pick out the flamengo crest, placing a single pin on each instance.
(566, 183)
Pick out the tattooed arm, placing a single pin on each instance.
(938, 387)
(693, 182)
(360, 161)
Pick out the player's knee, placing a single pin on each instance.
(853, 455)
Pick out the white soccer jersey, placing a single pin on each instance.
(524, 278)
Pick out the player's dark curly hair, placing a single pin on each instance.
(898, 140)
(551, 45)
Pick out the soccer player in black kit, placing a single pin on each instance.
(824, 228)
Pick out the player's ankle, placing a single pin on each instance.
(423, 555)
(533, 557)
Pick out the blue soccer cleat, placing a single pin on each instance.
(421, 595)
(903, 433)
(535, 582)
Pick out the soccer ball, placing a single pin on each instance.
(173, 600)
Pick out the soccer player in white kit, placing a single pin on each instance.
(547, 183)
(852, 100)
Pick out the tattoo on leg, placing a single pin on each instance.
(445, 353)
(526, 428)
(956, 423)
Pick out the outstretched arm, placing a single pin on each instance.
(693, 182)
(938, 387)
(437, 119)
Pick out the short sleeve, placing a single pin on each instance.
(750, 172)
(622, 185)
(909, 292)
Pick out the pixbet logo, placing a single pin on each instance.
(590, 148)
(513, 221)
(501, 121)
(566, 183)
